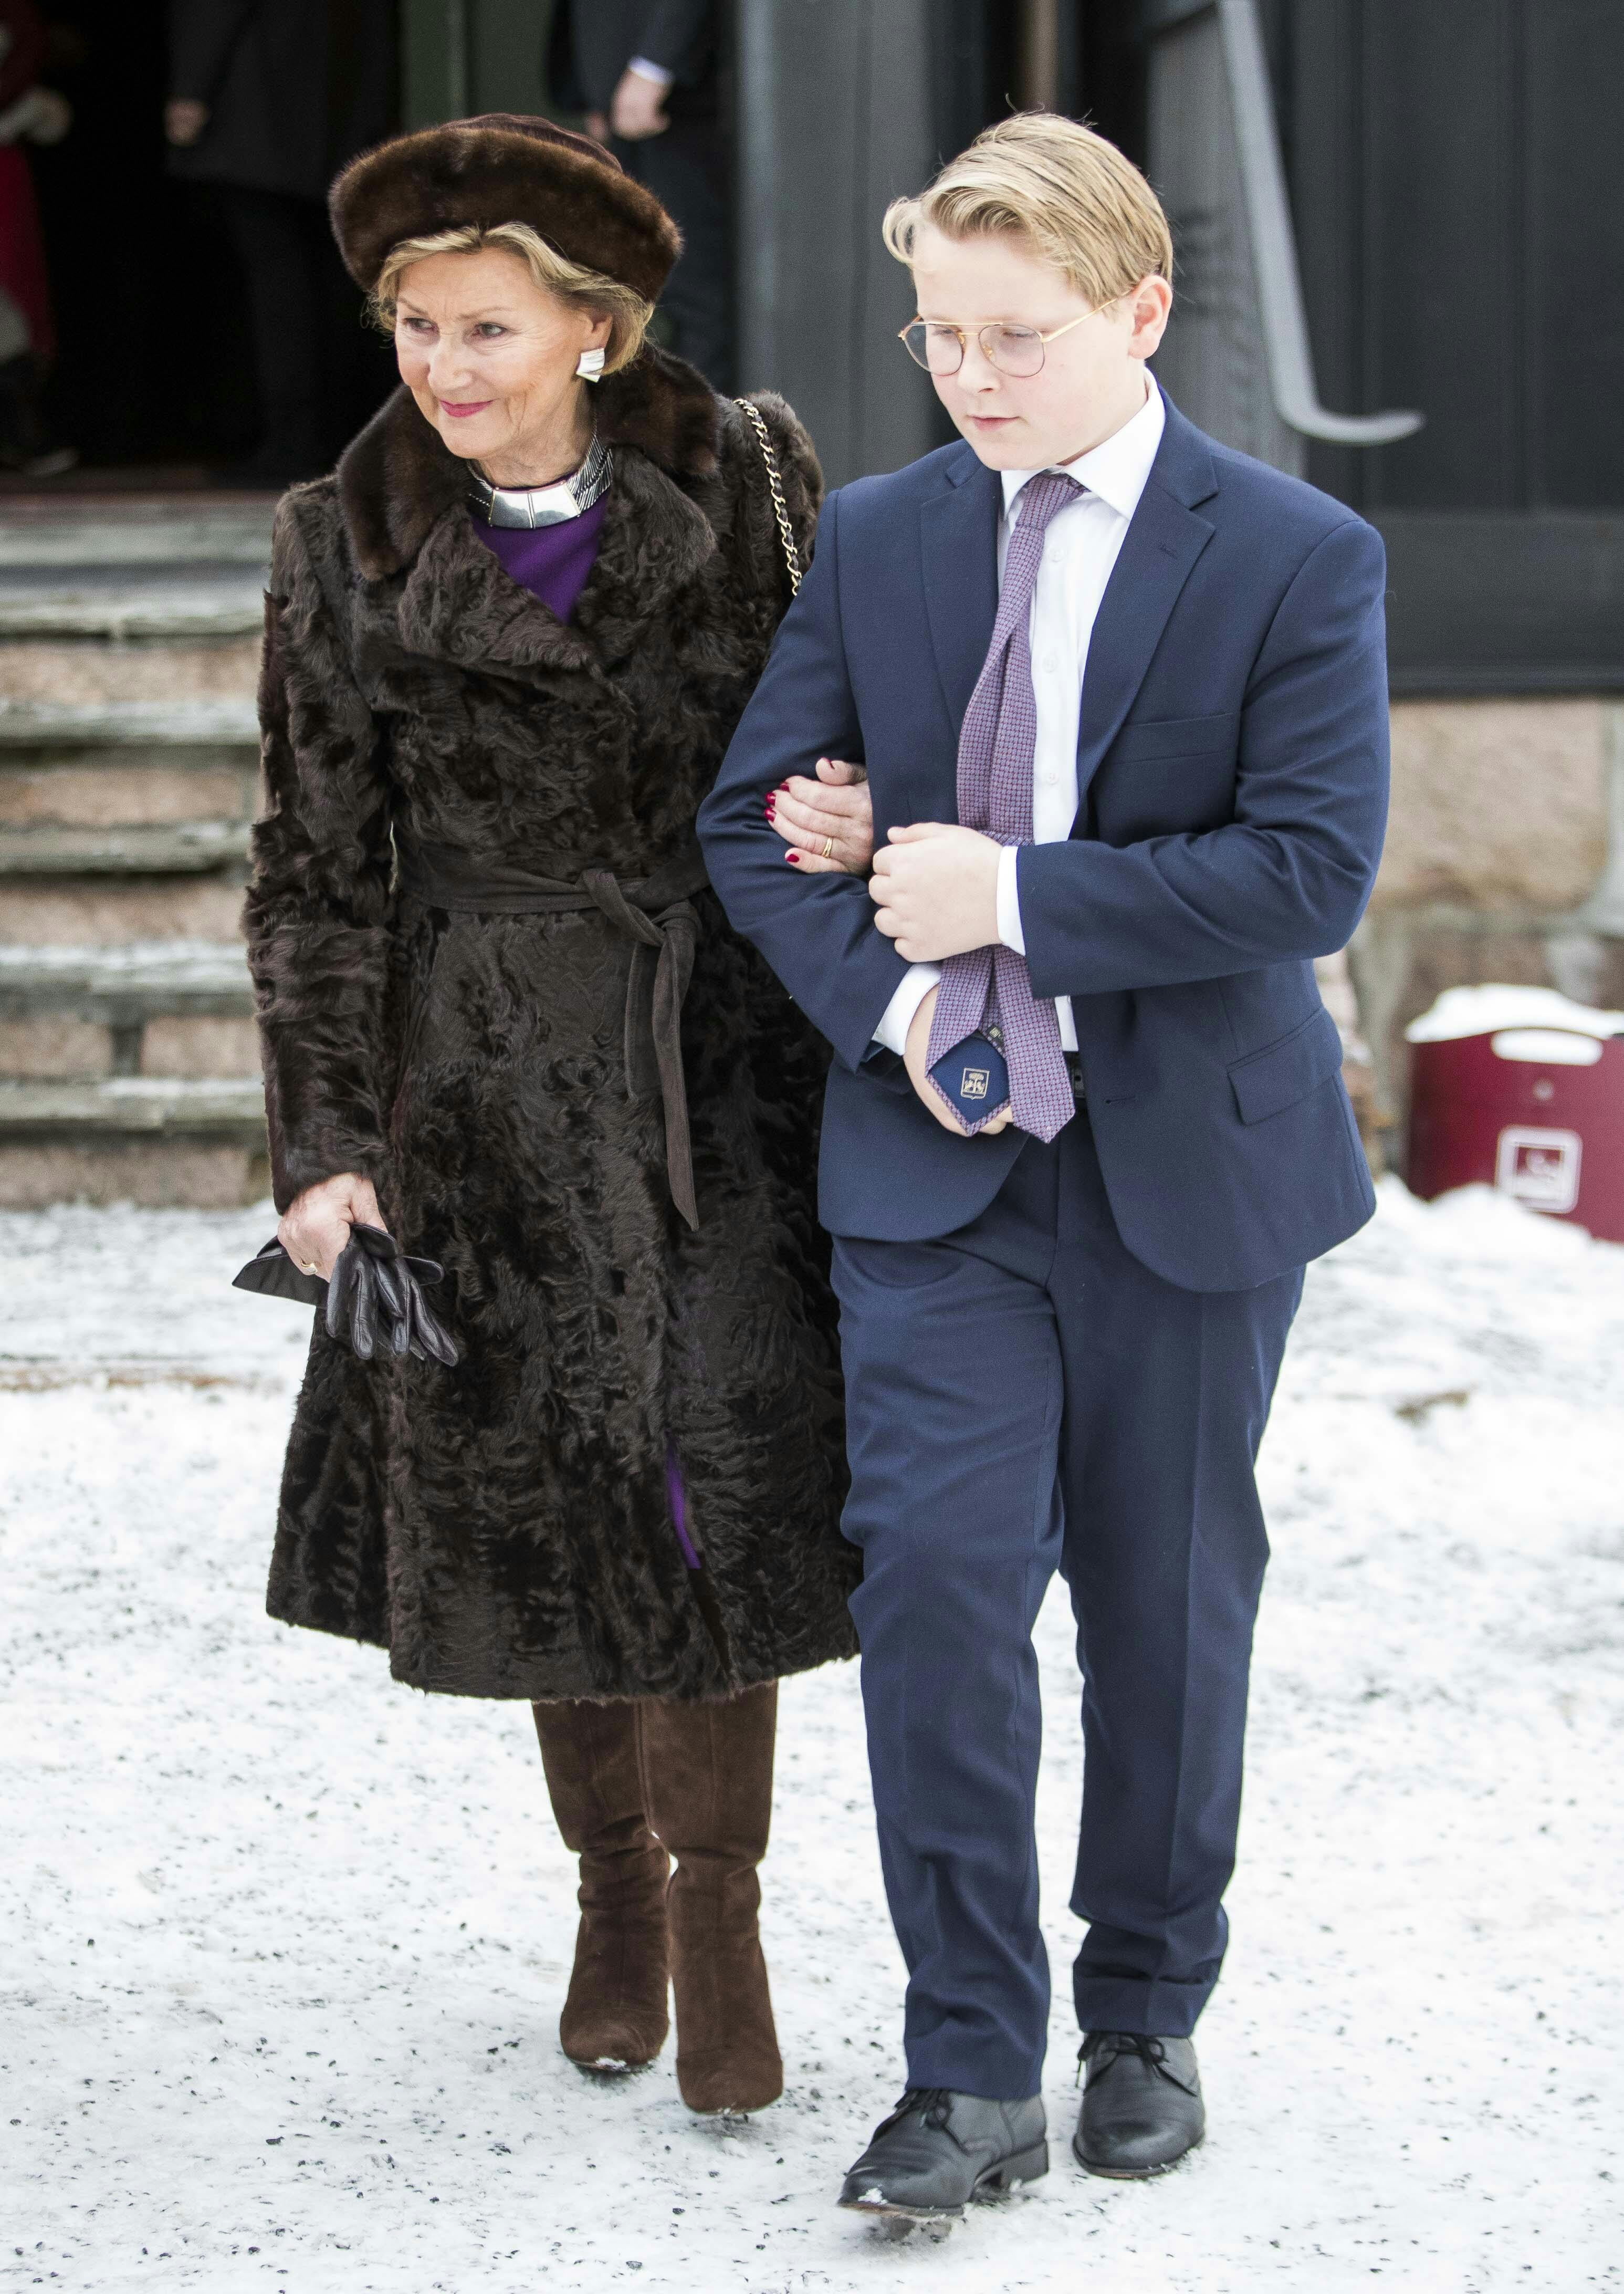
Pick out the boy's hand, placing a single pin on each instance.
(916, 1059)
(935, 890)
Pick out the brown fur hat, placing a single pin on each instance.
(503, 168)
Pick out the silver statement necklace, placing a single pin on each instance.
(554, 505)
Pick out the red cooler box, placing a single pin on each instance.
(1518, 1088)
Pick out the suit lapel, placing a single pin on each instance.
(959, 544)
(958, 533)
(1165, 538)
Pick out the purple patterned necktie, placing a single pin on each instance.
(996, 748)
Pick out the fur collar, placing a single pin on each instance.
(459, 605)
(396, 479)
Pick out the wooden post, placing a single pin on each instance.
(1037, 55)
(835, 119)
(435, 76)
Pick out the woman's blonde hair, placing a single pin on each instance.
(1070, 195)
(627, 311)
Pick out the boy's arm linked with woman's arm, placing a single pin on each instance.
(840, 944)
(1285, 878)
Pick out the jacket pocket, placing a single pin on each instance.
(1175, 737)
(1268, 1082)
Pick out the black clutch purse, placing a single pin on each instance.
(374, 1301)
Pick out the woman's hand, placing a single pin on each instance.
(315, 1226)
(835, 809)
(916, 1059)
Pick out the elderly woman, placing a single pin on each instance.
(504, 1018)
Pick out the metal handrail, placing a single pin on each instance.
(1274, 243)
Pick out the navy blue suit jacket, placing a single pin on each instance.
(1233, 773)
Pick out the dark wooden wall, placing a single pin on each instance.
(1456, 184)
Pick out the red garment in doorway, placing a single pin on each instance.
(22, 251)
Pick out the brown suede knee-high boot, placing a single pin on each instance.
(708, 1788)
(615, 2011)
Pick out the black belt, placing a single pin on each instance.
(654, 913)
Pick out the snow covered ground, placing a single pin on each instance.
(284, 1945)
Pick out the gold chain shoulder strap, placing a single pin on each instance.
(791, 553)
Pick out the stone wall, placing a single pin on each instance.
(1505, 861)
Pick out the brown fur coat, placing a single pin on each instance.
(504, 1527)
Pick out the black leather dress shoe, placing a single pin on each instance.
(938, 2149)
(1141, 2105)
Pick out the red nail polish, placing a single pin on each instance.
(783, 785)
(793, 858)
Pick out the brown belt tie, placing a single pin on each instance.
(654, 913)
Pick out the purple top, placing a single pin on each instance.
(552, 562)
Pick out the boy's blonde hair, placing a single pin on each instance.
(1066, 191)
(626, 311)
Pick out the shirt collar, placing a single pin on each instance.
(1117, 468)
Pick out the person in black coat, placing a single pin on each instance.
(646, 75)
(268, 100)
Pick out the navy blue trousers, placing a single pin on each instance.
(1025, 1396)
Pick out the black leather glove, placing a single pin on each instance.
(374, 1301)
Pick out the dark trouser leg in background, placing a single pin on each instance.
(708, 1787)
(288, 322)
(321, 371)
(615, 2011)
(686, 168)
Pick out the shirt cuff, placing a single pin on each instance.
(1009, 901)
(897, 1016)
(656, 72)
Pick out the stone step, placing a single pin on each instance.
(119, 986)
(129, 777)
(119, 912)
(104, 681)
(193, 1170)
(231, 1109)
(181, 1010)
(151, 1141)
(131, 530)
(194, 848)
(151, 789)
(120, 603)
(54, 727)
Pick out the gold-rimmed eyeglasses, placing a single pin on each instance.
(939, 349)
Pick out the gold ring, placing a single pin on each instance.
(828, 851)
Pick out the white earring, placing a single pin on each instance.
(590, 366)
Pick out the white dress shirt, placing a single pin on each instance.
(1080, 549)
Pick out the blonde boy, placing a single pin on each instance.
(1121, 697)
